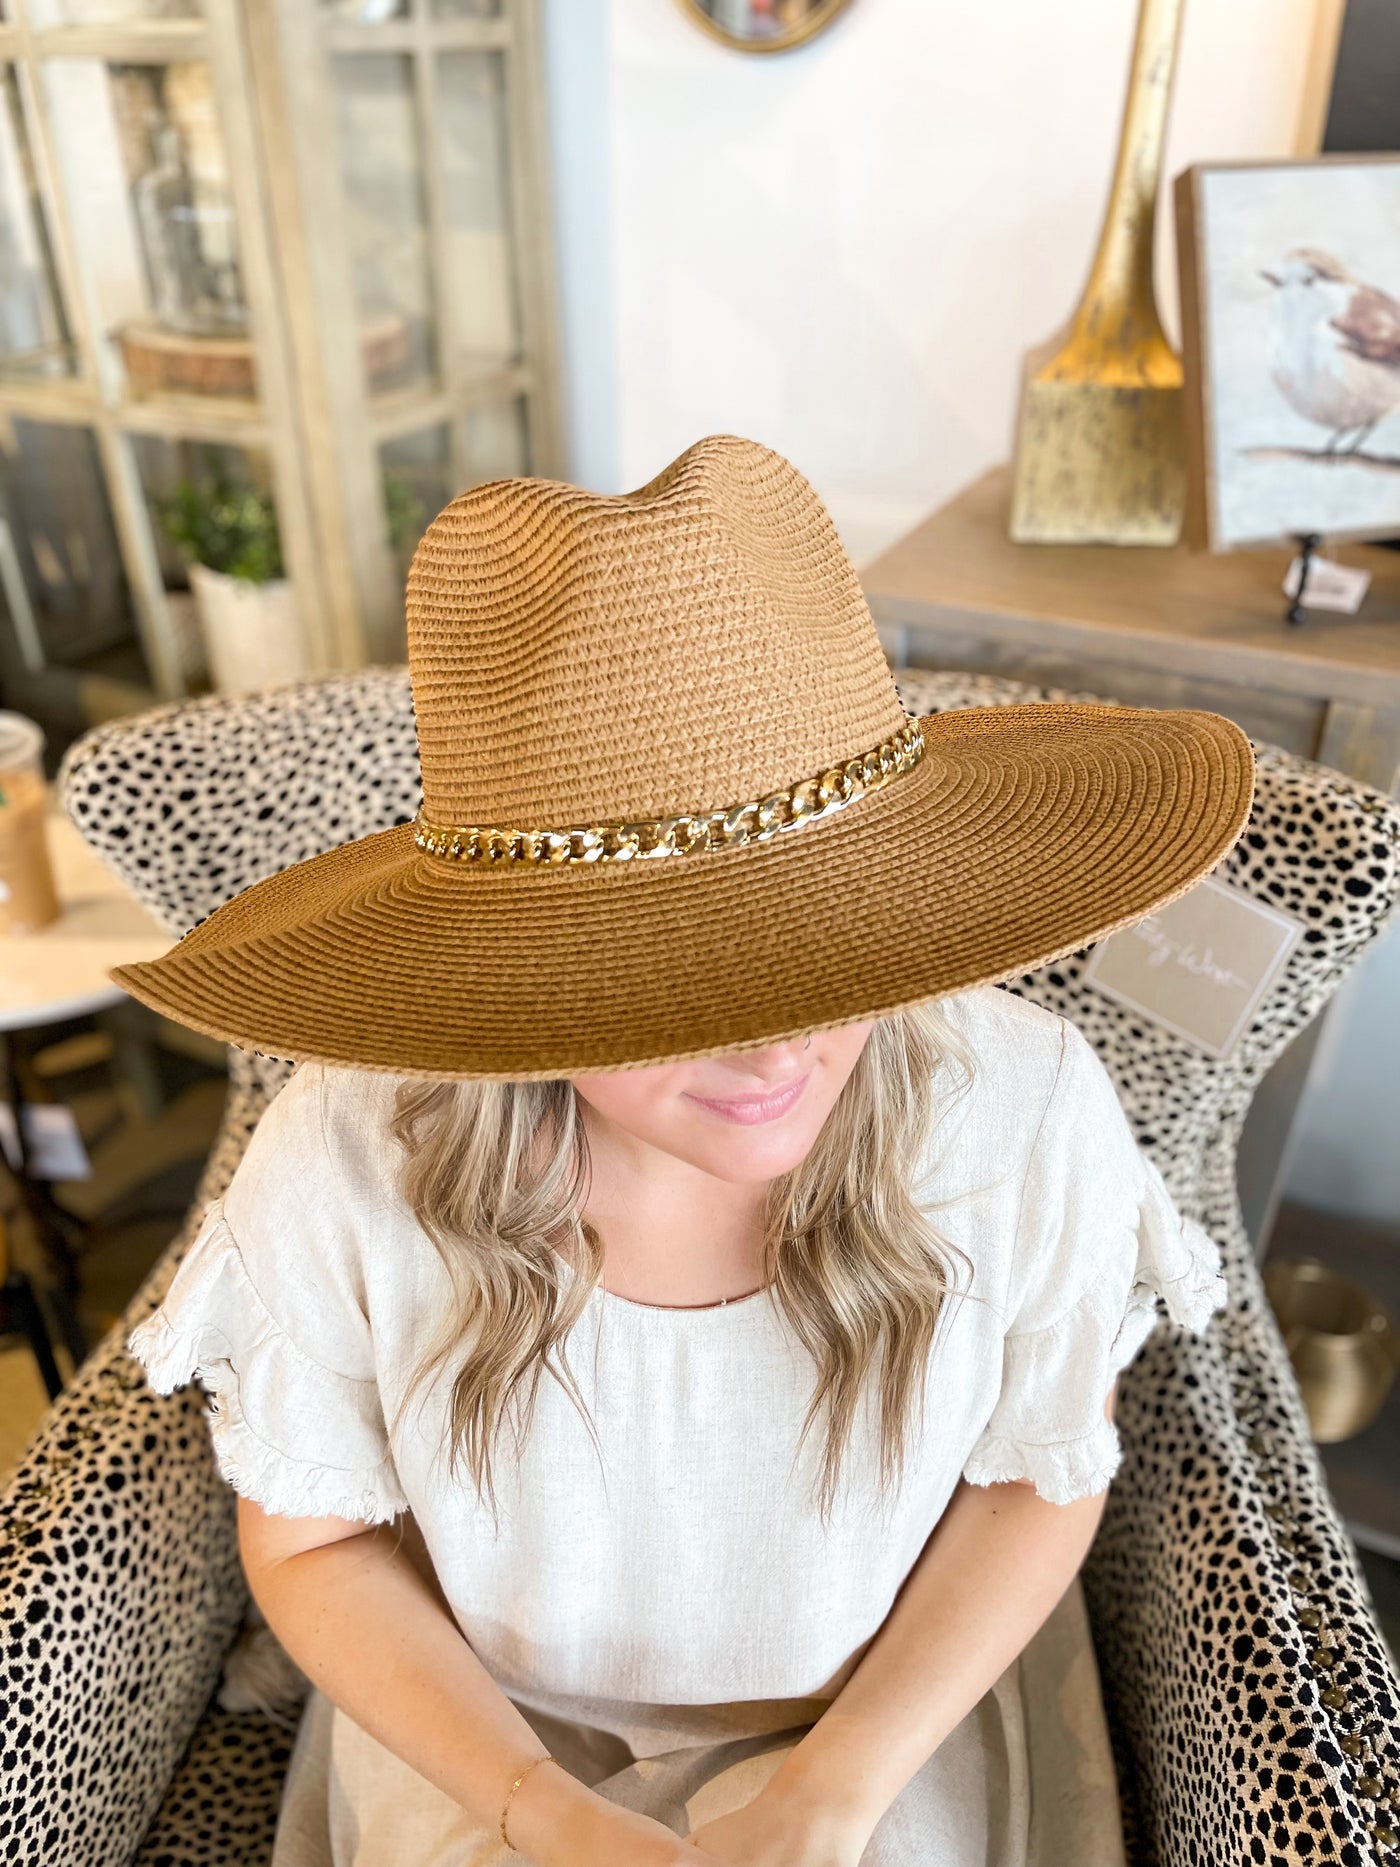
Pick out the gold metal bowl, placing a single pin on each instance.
(1341, 1340)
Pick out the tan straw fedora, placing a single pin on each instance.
(672, 807)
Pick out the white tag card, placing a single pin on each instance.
(1200, 965)
(1330, 585)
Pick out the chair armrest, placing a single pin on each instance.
(121, 1591)
(121, 1588)
(1254, 1707)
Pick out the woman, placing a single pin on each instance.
(664, 1332)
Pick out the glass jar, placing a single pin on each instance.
(28, 897)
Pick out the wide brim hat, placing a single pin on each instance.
(673, 807)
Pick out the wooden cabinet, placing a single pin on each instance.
(299, 245)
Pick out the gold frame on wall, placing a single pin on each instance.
(816, 21)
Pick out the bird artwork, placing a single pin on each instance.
(1290, 280)
(1333, 348)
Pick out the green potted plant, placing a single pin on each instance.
(244, 602)
(403, 516)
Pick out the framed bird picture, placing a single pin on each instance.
(1290, 312)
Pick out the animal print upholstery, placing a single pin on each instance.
(1251, 1700)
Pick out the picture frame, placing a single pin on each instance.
(1290, 310)
(762, 25)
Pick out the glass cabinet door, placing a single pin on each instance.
(67, 600)
(146, 179)
(379, 143)
(434, 298)
(34, 335)
(274, 288)
(130, 331)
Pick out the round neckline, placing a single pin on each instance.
(683, 1309)
(609, 1299)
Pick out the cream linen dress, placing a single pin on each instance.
(666, 1608)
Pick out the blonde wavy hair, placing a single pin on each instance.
(497, 1175)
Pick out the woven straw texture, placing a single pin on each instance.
(584, 658)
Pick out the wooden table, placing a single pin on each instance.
(1150, 628)
(61, 971)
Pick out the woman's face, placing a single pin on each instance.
(747, 1116)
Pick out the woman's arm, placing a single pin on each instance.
(360, 1611)
(996, 1564)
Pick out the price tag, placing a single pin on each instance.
(1200, 965)
(1330, 586)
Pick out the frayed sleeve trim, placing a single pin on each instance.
(1182, 1259)
(1062, 1472)
(266, 1395)
(1048, 1425)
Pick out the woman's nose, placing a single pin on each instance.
(773, 1063)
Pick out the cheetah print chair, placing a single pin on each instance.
(1251, 1701)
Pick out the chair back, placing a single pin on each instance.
(194, 801)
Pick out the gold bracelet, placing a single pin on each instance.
(511, 1791)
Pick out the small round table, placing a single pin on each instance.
(61, 972)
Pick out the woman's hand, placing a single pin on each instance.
(554, 1821)
(625, 1839)
(769, 1832)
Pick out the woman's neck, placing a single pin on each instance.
(673, 1235)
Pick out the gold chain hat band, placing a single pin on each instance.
(730, 828)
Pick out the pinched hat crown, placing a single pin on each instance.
(583, 658)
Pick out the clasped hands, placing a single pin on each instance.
(789, 1823)
(793, 1821)
(769, 1832)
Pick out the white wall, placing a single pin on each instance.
(843, 251)
(577, 83)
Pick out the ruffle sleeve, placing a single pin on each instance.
(267, 1320)
(1101, 1246)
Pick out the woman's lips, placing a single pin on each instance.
(767, 1106)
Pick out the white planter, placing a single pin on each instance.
(252, 634)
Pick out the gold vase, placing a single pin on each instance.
(1100, 454)
(1341, 1340)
